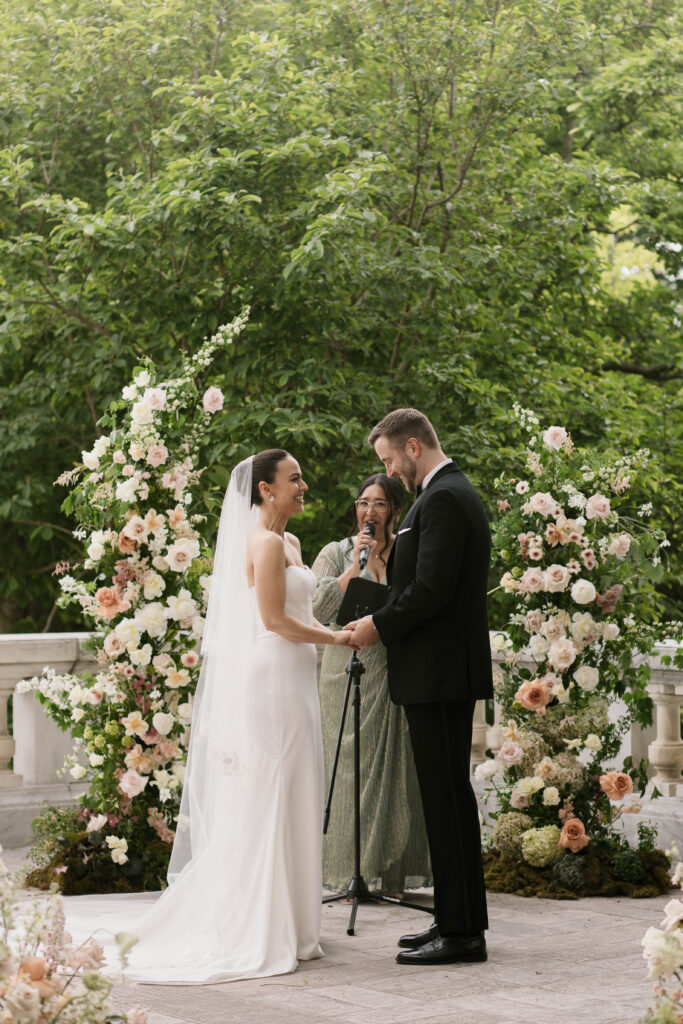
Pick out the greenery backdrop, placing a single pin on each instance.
(446, 204)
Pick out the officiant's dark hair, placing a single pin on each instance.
(263, 470)
(393, 492)
(399, 425)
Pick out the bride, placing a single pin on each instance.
(245, 881)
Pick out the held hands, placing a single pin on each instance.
(363, 634)
(342, 638)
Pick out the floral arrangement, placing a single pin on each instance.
(663, 950)
(578, 558)
(144, 587)
(44, 978)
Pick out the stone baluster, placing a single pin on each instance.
(7, 776)
(494, 734)
(479, 731)
(666, 750)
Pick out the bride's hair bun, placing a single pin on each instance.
(263, 469)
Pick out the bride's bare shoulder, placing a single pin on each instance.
(262, 541)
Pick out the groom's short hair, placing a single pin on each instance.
(399, 425)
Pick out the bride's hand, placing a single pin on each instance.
(342, 638)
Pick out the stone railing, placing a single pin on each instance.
(37, 747)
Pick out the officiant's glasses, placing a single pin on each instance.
(362, 504)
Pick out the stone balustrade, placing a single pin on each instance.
(31, 757)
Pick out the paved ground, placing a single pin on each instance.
(550, 962)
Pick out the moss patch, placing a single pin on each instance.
(597, 863)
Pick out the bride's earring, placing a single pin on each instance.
(271, 498)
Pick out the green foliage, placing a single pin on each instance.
(411, 198)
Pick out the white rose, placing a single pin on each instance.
(163, 723)
(126, 489)
(136, 451)
(96, 760)
(77, 714)
(538, 646)
(525, 786)
(486, 770)
(597, 507)
(592, 741)
(95, 552)
(185, 713)
(182, 606)
(143, 378)
(129, 393)
(198, 624)
(498, 642)
(155, 398)
(536, 783)
(551, 796)
(610, 631)
(90, 460)
(160, 563)
(141, 656)
(620, 545)
(151, 619)
(181, 554)
(128, 631)
(77, 772)
(583, 591)
(101, 445)
(561, 654)
(141, 413)
(153, 586)
(587, 677)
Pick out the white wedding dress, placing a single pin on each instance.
(248, 903)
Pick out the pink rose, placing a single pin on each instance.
(510, 753)
(555, 437)
(157, 455)
(533, 621)
(543, 503)
(597, 507)
(553, 629)
(561, 654)
(532, 581)
(131, 783)
(136, 1015)
(518, 801)
(213, 399)
(616, 785)
(533, 695)
(573, 836)
(119, 457)
(620, 545)
(503, 504)
(556, 578)
(189, 659)
(522, 486)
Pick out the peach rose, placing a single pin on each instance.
(518, 801)
(109, 603)
(126, 544)
(157, 455)
(533, 621)
(533, 695)
(597, 507)
(131, 783)
(135, 528)
(616, 785)
(573, 836)
(212, 400)
(510, 753)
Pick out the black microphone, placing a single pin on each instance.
(365, 553)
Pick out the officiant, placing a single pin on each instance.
(394, 852)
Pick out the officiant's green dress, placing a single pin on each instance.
(394, 850)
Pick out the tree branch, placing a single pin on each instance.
(659, 372)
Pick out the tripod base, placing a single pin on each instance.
(358, 891)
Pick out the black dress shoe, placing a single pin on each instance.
(448, 949)
(419, 939)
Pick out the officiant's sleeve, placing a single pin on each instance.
(328, 597)
(443, 534)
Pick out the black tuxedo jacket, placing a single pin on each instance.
(435, 624)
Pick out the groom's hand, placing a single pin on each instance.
(364, 633)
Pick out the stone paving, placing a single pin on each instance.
(549, 962)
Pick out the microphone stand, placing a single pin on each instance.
(357, 889)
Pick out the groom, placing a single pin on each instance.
(435, 629)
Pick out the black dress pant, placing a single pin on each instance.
(441, 738)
